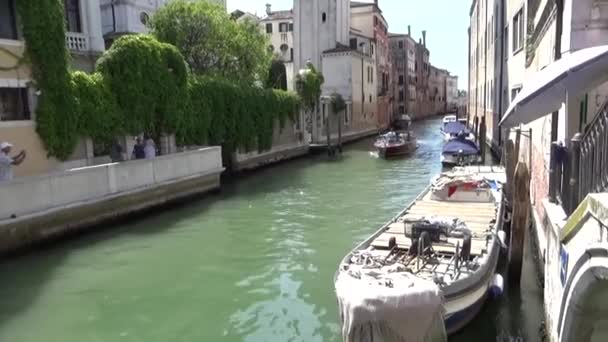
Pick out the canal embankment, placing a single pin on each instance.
(244, 264)
(38, 208)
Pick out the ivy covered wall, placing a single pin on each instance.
(139, 85)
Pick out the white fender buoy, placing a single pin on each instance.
(502, 238)
(496, 286)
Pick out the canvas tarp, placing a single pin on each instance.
(386, 304)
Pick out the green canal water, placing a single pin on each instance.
(253, 263)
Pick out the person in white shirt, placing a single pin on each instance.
(7, 162)
(150, 148)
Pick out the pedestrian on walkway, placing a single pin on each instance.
(7, 162)
(138, 150)
(116, 152)
(150, 148)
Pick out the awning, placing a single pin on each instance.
(574, 74)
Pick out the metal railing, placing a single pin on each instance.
(582, 168)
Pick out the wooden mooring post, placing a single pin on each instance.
(482, 139)
(510, 163)
(519, 221)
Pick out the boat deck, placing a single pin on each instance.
(479, 217)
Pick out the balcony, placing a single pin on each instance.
(582, 167)
(77, 42)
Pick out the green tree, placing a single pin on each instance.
(211, 42)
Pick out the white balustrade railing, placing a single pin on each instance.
(77, 41)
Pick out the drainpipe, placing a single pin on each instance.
(113, 16)
(558, 55)
(502, 68)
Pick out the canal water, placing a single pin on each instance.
(253, 263)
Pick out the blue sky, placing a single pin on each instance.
(446, 23)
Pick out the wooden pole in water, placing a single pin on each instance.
(519, 221)
(328, 130)
(339, 132)
(482, 139)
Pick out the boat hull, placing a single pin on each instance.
(463, 300)
(396, 150)
(449, 159)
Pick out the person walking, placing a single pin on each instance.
(116, 152)
(138, 150)
(150, 148)
(7, 162)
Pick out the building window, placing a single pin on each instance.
(401, 96)
(8, 24)
(14, 104)
(144, 18)
(353, 43)
(290, 27)
(291, 54)
(400, 79)
(269, 28)
(372, 49)
(72, 15)
(518, 31)
(401, 44)
(375, 21)
(370, 99)
(401, 109)
(284, 48)
(514, 92)
(283, 27)
(324, 17)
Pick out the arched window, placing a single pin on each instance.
(284, 48)
(324, 17)
(144, 18)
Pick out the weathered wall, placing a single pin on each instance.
(22, 134)
(30, 195)
(287, 142)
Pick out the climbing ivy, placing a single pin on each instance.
(236, 116)
(149, 81)
(337, 103)
(43, 28)
(140, 85)
(309, 84)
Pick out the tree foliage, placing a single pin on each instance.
(277, 75)
(149, 81)
(309, 82)
(211, 42)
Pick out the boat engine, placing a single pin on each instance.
(435, 230)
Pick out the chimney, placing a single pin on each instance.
(268, 9)
(376, 3)
(424, 38)
(409, 30)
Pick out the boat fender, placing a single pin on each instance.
(502, 239)
(496, 286)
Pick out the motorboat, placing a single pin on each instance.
(451, 131)
(402, 123)
(393, 144)
(448, 119)
(460, 151)
(427, 272)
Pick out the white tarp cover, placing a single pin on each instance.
(388, 305)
